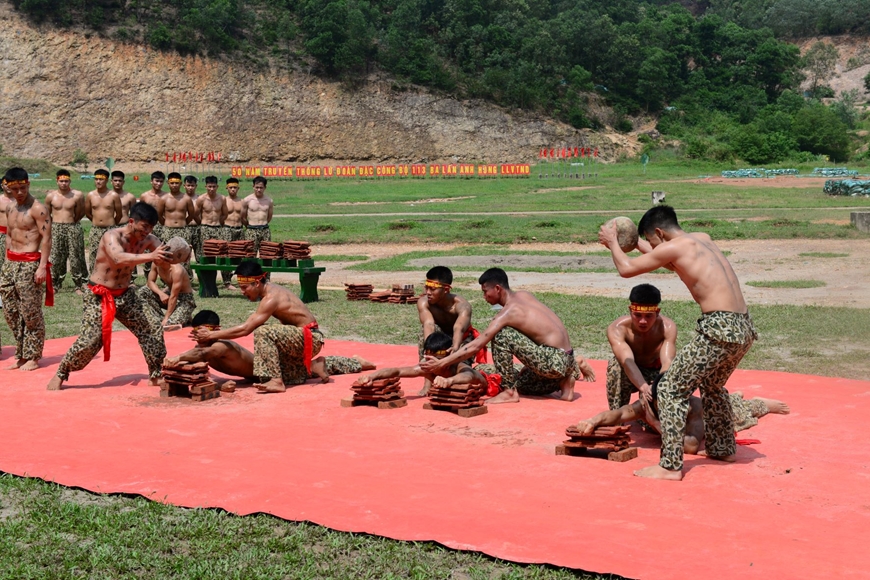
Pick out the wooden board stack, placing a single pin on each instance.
(271, 250)
(463, 400)
(383, 393)
(401, 293)
(241, 249)
(297, 250)
(188, 380)
(613, 439)
(358, 291)
(214, 248)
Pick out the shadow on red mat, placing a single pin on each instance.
(791, 507)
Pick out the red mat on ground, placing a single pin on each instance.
(795, 505)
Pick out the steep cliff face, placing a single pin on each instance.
(63, 91)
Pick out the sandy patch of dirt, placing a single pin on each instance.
(420, 201)
(779, 181)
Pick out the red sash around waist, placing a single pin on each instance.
(493, 383)
(3, 229)
(108, 308)
(35, 257)
(480, 357)
(308, 349)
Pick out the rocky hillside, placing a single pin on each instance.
(62, 91)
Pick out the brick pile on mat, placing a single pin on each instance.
(380, 296)
(297, 250)
(241, 249)
(612, 438)
(213, 248)
(456, 396)
(401, 294)
(380, 390)
(271, 250)
(188, 380)
(358, 291)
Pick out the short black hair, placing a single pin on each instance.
(206, 317)
(440, 274)
(211, 179)
(437, 341)
(118, 174)
(661, 216)
(142, 212)
(190, 179)
(16, 174)
(174, 175)
(62, 172)
(645, 294)
(494, 276)
(232, 180)
(249, 268)
(260, 179)
(103, 172)
(158, 175)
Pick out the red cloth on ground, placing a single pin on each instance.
(308, 349)
(107, 305)
(493, 383)
(748, 441)
(480, 357)
(35, 257)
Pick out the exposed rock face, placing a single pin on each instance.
(62, 91)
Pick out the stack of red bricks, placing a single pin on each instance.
(358, 291)
(271, 250)
(380, 296)
(400, 294)
(297, 250)
(385, 393)
(188, 380)
(241, 249)
(611, 438)
(456, 397)
(212, 248)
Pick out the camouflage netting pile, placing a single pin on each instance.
(759, 172)
(851, 187)
(835, 172)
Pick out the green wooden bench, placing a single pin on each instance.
(207, 271)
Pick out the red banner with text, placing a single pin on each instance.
(382, 171)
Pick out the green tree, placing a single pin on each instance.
(819, 130)
(820, 63)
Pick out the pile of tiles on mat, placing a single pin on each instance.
(457, 396)
(241, 249)
(297, 250)
(601, 438)
(379, 390)
(188, 380)
(402, 294)
(214, 247)
(358, 291)
(380, 296)
(271, 250)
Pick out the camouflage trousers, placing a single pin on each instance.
(469, 361)
(160, 233)
(705, 363)
(746, 413)
(194, 237)
(620, 387)
(544, 367)
(22, 307)
(131, 314)
(94, 237)
(258, 234)
(156, 310)
(2, 249)
(278, 352)
(341, 365)
(184, 233)
(233, 234)
(68, 243)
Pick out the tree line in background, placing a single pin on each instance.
(721, 82)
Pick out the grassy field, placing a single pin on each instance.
(47, 531)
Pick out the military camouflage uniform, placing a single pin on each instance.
(131, 314)
(258, 234)
(22, 307)
(620, 387)
(746, 413)
(159, 232)
(544, 366)
(194, 238)
(721, 341)
(2, 249)
(156, 310)
(94, 237)
(233, 234)
(340, 365)
(278, 351)
(68, 243)
(207, 232)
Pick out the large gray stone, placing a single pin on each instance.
(861, 221)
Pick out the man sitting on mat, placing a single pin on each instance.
(282, 352)
(746, 415)
(527, 329)
(231, 358)
(436, 346)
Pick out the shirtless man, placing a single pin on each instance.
(154, 198)
(178, 304)
(643, 343)
(6, 198)
(282, 353)
(103, 208)
(178, 212)
(257, 214)
(435, 348)
(234, 229)
(533, 333)
(231, 358)
(190, 184)
(66, 208)
(724, 334)
(25, 274)
(127, 198)
(441, 310)
(211, 209)
(110, 296)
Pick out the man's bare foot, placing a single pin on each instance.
(318, 369)
(366, 365)
(230, 287)
(774, 406)
(271, 386)
(228, 386)
(156, 382)
(427, 384)
(659, 472)
(725, 458)
(506, 396)
(55, 383)
(564, 395)
(17, 364)
(79, 292)
(585, 369)
(30, 365)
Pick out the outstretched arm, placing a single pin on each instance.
(502, 319)
(390, 373)
(611, 418)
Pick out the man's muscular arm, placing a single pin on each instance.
(151, 282)
(193, 216)
(669, 346)
(662, 256)
(502, 319)
(244, 212)
(89, 208)
(43, 224)
(116, 206)
(271, 210)
(116, 253)
(174, 291)
(426, 318)
(611, 418)
(625, 357)
(460, 327)
(258, 318)
(224, 211)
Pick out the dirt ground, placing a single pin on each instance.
(847, 278)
